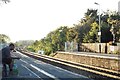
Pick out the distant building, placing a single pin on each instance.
(119, 7)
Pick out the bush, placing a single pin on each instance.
(31, 49)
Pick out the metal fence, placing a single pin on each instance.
(71, 46)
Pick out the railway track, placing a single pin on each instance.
(86, 70)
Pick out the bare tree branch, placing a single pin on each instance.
(5, 1)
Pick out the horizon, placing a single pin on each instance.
(38, 18)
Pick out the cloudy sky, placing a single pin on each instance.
(34, 19)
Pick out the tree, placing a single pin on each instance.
(4, 38)
(114, 21)
(54, 41)
(92, 34)
(5, 1)
(85, 31)
(72, 34)
(84, 26)
(108, 20)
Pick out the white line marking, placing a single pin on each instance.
(31, 71)
(61, 69)
(24, 61)
(44, 72)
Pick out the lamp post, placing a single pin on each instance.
(99, 33)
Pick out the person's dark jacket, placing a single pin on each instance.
(6, 52)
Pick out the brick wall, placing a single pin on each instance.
(105, 47)
(107, 63)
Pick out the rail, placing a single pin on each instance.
(76, 67)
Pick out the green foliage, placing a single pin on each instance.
(92, 34)
(85, 31)
(84, 26)
(30, 49)
(52, 42)
(72, 34)
(4, 38)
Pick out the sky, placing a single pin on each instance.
(34, 19)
